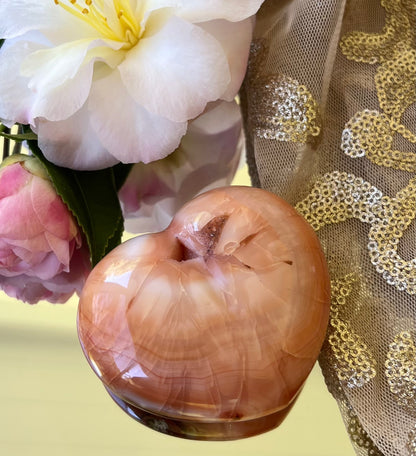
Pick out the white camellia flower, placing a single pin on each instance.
(207, 157)
(103, 81)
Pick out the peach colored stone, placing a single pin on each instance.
(215, 322)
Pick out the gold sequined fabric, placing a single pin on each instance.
(329, 103)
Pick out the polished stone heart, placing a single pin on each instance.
(208, 329)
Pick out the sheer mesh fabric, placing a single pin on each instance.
(329, 105)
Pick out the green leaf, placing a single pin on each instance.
(115, 240)
(99, 196)
(121, 172)
(1, 42)
(92, 198)
(19, 136)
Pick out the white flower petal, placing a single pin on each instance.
(127, 130)
(60, 83)
(235, 39)
(59, 87)
(217, 120)
(20, 16)
(15, 97)
(87, 119)
(213, 139)
(51, 67)
(61, 102)
(72, 143)
(60, 77)
(175, 72)
(208, 157)
(204, 10)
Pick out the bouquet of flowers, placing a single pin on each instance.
(127, 109)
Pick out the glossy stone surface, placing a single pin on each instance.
(211, 326)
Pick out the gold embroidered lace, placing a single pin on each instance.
(329, 103)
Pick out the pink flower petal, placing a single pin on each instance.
(206, 158)
(38, 236)
(58, 289)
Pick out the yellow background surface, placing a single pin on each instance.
(51, 403)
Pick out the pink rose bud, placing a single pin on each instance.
(42, 254)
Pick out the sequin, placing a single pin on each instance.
(398, 31)
(359, 436)
(354, 361)
(371, 133)
(372, 95)
(339, 196)
(400, 370)
(284, 109)
(411, 443)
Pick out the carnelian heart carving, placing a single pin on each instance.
(208, 329)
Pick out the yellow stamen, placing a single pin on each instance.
(92, 12)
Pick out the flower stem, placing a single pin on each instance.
(17, 148)
(6, 141)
